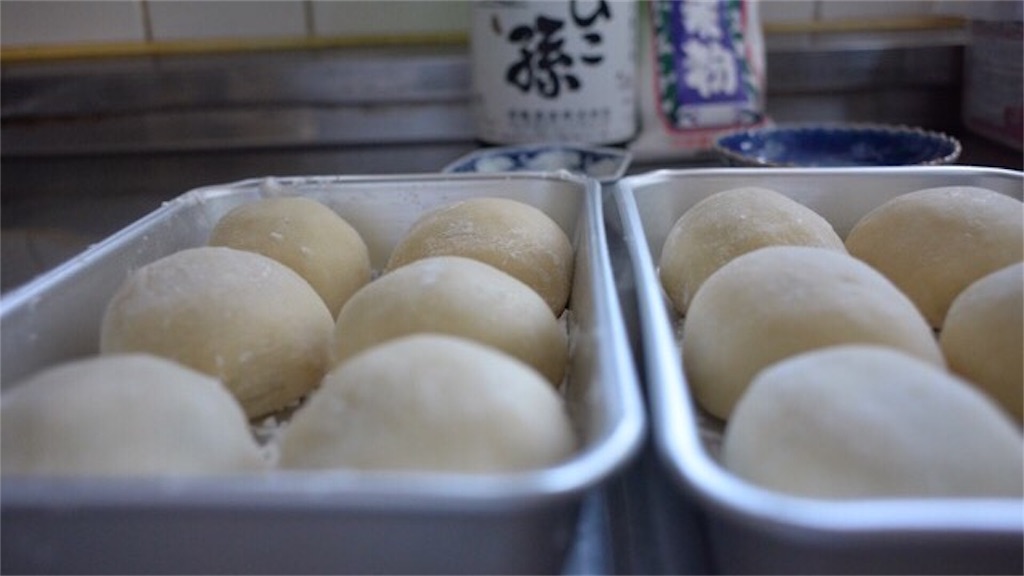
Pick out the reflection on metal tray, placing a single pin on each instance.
(756, 530)
(331, 521)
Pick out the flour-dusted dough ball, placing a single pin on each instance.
(304, 235)
(430, 402)
(241, 317)
(457, 296)
(730, 223)
(866, 421)
(983, 336)
(512, 236)
(782, 300)
(130, 414)
(934, 242)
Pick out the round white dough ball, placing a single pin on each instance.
(983, 337)
(457, 296)
(933, 243)
(512, 236)
(864, 421)
(304, 235)
(430, 402)
(730, 223)
(782, 300)
(130, 414)
(241, 317)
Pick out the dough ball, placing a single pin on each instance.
(730, 223)
(512, 236)
(934, 242)
(241, 317)
(130, 414)
(983, 336)
(304, 235)
(782, 300)
(430, 402)
(866, 421)
(457, 296)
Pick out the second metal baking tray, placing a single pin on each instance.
(323, 521)
(757, 530)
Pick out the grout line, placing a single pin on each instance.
(16, 54)
(147, 21)
(309, 19)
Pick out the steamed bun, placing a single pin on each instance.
(510, 235)
(983, 336)
(781, 300)
(867, 421)
(933, 243)
(304, 235)
(460, 297)
(124, 414)
(730, 223)
(430, 402)
(238, 316)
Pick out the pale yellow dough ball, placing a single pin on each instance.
(124, 415)
(304, 235)
(460, 297)
(514, 237)
(983, 337)
(782, 300)
(430, 402)
(241, 317)
(865, 422)
(933, 243)
(730, 223)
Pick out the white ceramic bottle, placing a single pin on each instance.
(554, 71)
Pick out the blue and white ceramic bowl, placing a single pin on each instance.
(601, 164)
(837, 145)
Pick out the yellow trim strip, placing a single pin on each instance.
(18, 54)
(908, 24)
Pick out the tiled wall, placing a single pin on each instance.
(800, 11)
(32, 23)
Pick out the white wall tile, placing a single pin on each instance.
(194, 19)
(359, 18)
(26, 22)
(873, 9)
(788, 11)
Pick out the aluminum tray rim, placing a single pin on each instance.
(674, 420)
(641, 179)
(348, 489)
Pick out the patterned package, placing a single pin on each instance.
(702, 72)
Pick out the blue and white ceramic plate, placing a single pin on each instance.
(601, 164)
(836, 145)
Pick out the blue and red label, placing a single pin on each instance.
(705, 69)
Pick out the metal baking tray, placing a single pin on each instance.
(324, 521)
(751, 529)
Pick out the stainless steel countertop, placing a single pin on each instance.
(401, 96)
